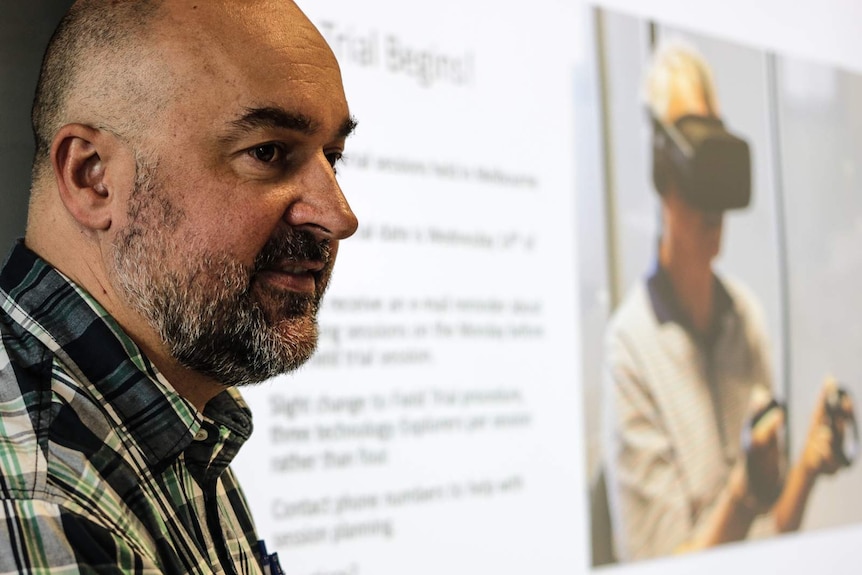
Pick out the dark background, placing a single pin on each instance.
(25, 28)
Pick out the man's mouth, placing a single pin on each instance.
(300, 277)
(293, 261)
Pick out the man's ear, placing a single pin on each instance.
(78, 157)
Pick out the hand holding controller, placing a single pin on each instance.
(763, 445)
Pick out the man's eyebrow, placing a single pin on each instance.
(270, 117)
(274, 117)
(347, 127)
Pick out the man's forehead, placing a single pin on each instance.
(270, 35)
(241, 55)
(224, 18)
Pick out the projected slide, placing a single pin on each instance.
(602, 312)
(720, 408)
(436, 430)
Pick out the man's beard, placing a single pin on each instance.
(208, 310)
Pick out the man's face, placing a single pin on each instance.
(233, 225)
(693, 230)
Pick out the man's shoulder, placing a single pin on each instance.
(745, 301)
(59, 476)
(50, 428)
(633, 314)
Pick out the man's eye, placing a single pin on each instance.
(267, 153)
(334, 158)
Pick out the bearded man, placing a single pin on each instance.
(183, 224)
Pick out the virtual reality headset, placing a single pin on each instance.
(709, 166)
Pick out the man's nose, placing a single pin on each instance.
(320, 206)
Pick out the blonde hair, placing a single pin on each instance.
(672, 57)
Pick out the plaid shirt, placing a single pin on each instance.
(103, 467)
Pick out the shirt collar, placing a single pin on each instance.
(666, 306)
(106, 362)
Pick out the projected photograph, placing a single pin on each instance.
(721, 350)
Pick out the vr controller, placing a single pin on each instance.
(765, 484)
(710, 166)
(845, 433)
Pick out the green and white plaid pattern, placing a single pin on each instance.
(104, 468)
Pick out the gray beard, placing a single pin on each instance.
(210, 313)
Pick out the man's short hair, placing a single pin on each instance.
(90, 32)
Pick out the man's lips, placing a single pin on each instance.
(293, 276)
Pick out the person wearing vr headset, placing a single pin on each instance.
(693, 437)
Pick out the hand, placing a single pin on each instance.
(764, 471)
(818, 455)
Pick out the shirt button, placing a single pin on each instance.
(201, 435)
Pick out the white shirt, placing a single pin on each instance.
(675, 405)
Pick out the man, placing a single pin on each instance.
(183, 224)
(687, 363)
